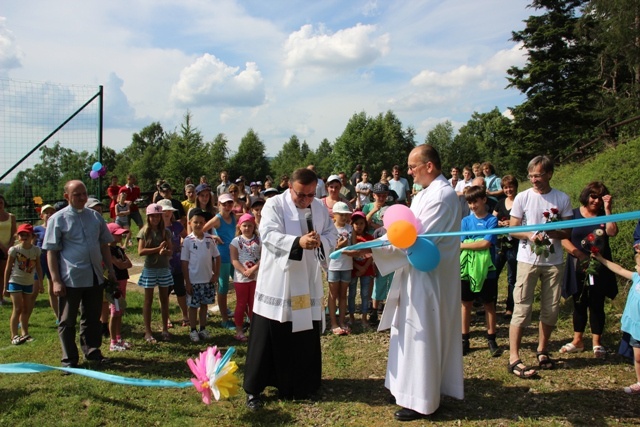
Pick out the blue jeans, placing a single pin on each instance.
(365, 281)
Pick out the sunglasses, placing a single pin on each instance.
(304, 196)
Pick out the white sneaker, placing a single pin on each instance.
(124, 344)
(633, 389)
(116, 347)
(194, 336)
(204, 334)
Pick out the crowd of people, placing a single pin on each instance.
(272, 244)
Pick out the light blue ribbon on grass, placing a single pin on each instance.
(34, 368)
(556, 225)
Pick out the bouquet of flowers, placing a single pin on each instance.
(593, 243)
(542, 245)
(505, 242)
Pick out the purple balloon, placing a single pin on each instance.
(102, 171)
(94, 174)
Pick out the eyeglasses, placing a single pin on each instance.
(536, 175)
(413, 167)
(304, 196)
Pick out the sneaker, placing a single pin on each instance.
(116, 347)
(494, 349)
(195, 337)
(204, 334)
(228, 325)
(125, 344)
(633, 389)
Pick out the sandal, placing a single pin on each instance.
(570, 348)
(338, 331)
(169, 324)
(16, 340)
(599, 352)
(241, 338)
(521, 371)
(185, 323)
(166, 336)
(150, 340)
(544, 360)
(29, 338)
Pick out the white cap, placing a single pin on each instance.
(341, 208)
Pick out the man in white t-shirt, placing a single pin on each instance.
(400, 186)
(363, 190)
(537, 205)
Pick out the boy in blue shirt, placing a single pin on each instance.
(478, 274)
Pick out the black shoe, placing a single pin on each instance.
(494, 349)
(72, 365)
(253, 402)
(466, 347)
(406, 414)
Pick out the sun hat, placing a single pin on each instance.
(92, 202)
(153, 209)
(45, 207)
(246, 217)
(25, 228)
(116, 229)
(224, 198)
(166, 205)
(341, 208)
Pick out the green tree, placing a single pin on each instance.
(441, 137)
(558, 80)
(218, 157)
(289, 158)
(322, 159)
(250, 160)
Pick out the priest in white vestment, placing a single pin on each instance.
(423, 308)
(288, 311)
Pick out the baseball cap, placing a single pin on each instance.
(253, 184)
(60, 205)
(334, 178)
(165, 186)
(45, 207)
(246, 217)
(270, 192)
(257, 201)
(25, 228)
(166, 205)
(358, 214)
(380, 188)
(202, 187)
(341, 208)
(258, 183)
(154, 208)
(224, 198)
(92, 202)
(116, 229)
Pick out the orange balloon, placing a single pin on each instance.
(402, 234)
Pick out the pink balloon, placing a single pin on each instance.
(397, 213)
(94, 174)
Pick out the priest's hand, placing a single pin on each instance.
(310, 241)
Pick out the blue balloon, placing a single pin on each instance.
(96, 166)
(424, 254)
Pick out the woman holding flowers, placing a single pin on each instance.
(585, 279)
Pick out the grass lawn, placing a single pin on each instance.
(582, 391)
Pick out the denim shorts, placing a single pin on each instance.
(335, 276)
(634, 342)
(14, 287)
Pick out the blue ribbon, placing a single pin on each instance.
(33, 368)
(556, 225)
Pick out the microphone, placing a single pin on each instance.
(309, 219)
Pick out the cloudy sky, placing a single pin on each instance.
(280, 67)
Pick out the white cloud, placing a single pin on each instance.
(209, 81)
(118, 111)
(10, 53)
(321, 50)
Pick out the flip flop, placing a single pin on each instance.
(570, 348)
(150, 340)
(599, 352)
(338, 331)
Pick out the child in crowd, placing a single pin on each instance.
(373, 210)
(225, 225)
(363, 189)
(381, 284)
(362, 269)
(256, 211)
(45, 213)
(123, 210)
(477, 270)
(20, 282)
(339, 275)
(190, 201)
(200, 268)
(631, 315)
(245, 256)
(178, 232)
(121, 263)
(154, 244)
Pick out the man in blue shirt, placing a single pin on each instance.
(77, 243)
